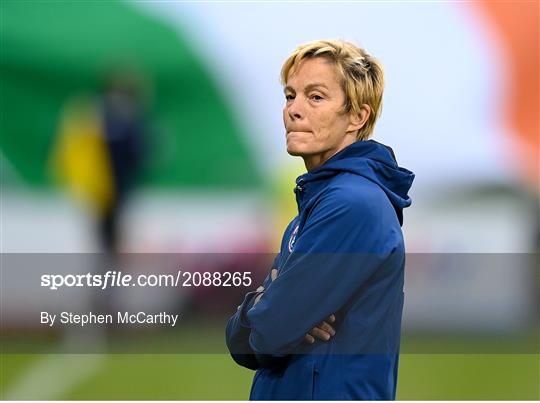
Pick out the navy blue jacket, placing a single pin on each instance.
(344, 255)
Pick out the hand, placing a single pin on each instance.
(323, 331)
(273, 276)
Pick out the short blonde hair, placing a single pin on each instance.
(361, 76)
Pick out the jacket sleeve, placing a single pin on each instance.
(343, 243)
(238, 331)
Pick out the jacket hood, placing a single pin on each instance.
(373, 161)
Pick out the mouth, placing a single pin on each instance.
(297, 131)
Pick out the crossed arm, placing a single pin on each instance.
(239, 331)
(322, 331)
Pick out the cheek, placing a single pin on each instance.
(330, 131)
(324, 124)
(334, 124)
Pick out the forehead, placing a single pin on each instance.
(311, 71)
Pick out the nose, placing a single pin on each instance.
(294, 109)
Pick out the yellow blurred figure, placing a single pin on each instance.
(80, 159)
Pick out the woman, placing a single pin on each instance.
(326, 322)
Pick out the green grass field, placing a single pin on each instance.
(217, 377)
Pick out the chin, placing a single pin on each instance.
(295, 150)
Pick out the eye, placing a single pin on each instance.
(316, 97)
(289, 97)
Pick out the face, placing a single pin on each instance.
(316, 127)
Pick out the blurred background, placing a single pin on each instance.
(155, 127)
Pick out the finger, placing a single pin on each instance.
(331, 318)
(320, 334)
(260, 289)
(327, 328)
(309, 338)
(273, 274)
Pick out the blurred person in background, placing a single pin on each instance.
(99, 150)
(123, 130)
(326, 322)
(98, 156)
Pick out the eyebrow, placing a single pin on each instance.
(308, 87)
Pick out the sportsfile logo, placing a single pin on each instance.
(109, 279)
(120, 279)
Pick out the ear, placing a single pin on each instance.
(358, 120)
